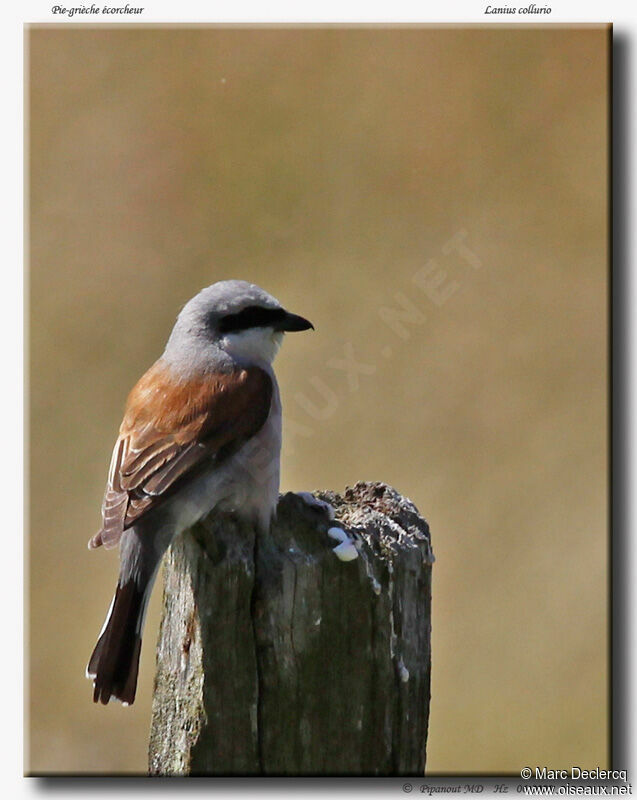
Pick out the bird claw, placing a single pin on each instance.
(317, 505)
(346, 549)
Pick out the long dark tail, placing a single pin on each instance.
(115, 660)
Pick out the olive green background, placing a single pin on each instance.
(334, 167)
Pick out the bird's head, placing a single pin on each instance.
(238, 318)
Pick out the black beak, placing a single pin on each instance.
(292, 322)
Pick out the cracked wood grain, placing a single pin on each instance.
(276, 658)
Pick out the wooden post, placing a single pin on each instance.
(277, 658)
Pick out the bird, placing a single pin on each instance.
(201, 431)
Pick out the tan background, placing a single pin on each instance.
(330, 166)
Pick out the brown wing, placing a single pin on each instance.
(169, 429)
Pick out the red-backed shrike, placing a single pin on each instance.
(195, 432)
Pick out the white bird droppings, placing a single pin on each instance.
(185, 658)
(346, 550)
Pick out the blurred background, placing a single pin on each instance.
(435, 201)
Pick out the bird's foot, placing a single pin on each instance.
(346, 549)
(317, 505)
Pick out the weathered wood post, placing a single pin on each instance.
(277, 658)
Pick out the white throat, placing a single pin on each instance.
(254, 344)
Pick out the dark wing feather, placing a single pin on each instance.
(147, 464)
(188, 457)
(169, 430)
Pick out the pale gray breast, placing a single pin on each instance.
(256, 468)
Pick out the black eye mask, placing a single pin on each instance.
(260, 317)
(251, 317)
